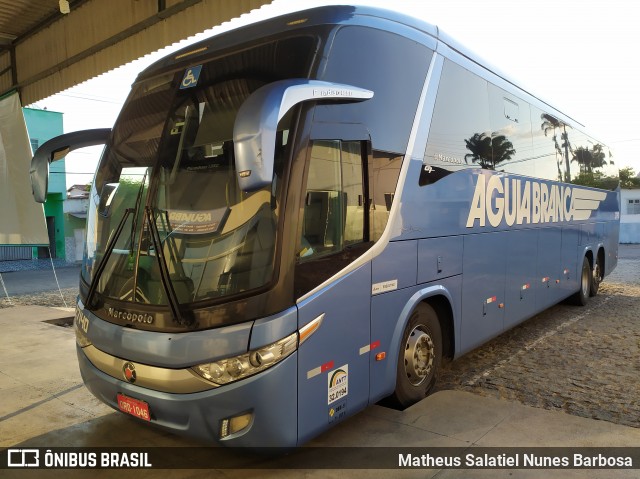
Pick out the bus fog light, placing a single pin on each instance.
(235, 424)
(228, 370)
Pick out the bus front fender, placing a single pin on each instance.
(383, 374)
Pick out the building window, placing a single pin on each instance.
(34, 144)
(633, 207)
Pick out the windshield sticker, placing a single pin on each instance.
(338, 383)
(177, 128)
(197, 221)
(190, 78)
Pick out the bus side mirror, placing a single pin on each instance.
(57, 148)
(255, 128)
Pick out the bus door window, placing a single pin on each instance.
(334, 207)
(335, 220)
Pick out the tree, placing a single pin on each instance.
(628, 178)
(489, 151)
(551, 123)
(563, 149)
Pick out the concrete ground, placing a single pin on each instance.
(45, 404)
(29, 282)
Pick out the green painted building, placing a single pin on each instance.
(43, 125)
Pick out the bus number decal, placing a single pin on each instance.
(338, 384)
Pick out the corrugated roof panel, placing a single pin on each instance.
(55, 46)
(76, 32)
(5, 78)
(5, 60)
(18, 16)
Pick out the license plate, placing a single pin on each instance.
(134, 407)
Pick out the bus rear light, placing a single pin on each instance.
(228, 370)
(233, 425)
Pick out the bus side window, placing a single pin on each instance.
(460, 134)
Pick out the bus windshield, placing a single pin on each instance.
(169, 175)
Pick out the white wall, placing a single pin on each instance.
(629, 223)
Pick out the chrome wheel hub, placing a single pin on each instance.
(419, 353)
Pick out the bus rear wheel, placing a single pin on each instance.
(581, 296)
(596, 277)
(419, 357)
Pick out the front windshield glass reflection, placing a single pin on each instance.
(172, 155)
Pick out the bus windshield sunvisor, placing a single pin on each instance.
(255, 128)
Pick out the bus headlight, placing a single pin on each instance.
(228, 370)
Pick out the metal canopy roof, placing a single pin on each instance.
(19, 17)
(43, 51)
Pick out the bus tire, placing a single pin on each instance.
(581, 296)
(596, 276)
(419, 357)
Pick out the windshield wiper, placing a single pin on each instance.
(174, 304)
(107, 253)
(134, 222)
(134, 228)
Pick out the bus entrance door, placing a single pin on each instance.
(333, 364)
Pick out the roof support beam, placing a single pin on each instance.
(65, 50)
(118, 37)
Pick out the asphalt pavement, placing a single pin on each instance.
(36, 281)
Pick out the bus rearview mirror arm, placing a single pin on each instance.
(57, 148)
(254, 131)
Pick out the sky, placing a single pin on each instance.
(579, 56)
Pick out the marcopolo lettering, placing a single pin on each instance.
(333, 92)
(131, 317)
(499, 198)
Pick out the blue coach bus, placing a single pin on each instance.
(298, 218)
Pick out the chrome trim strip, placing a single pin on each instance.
(421, 124)
(313, 325)
(178, 381)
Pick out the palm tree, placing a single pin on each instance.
(590, 160)
(551, 123)
(489, 151)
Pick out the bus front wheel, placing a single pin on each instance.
(419, 357)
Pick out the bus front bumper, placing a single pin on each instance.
(267, 399)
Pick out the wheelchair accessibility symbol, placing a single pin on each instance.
(190, 78)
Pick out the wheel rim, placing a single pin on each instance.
(585, 281)
(419, 353)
